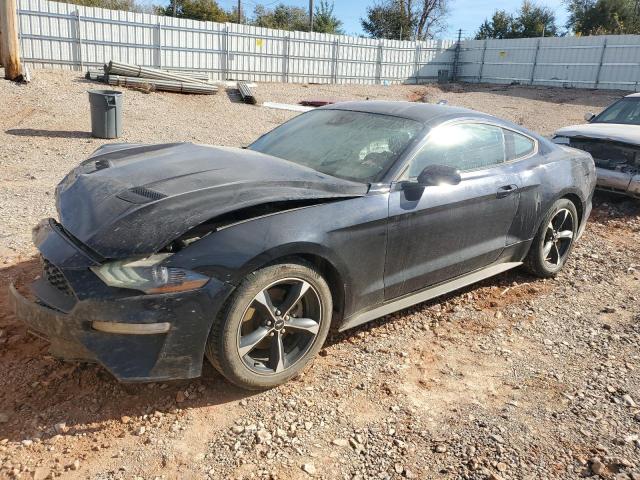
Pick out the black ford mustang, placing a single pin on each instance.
(166, 253)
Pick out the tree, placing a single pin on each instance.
(324, 21)
(535, 21)
(127, 5)
(405, 19)
(529, 21)
(388, 20)
(282, 17)
(602, 17)
(500, 26)
(205, 10)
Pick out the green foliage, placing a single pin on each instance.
(127, 5)
(405, 19)
(282, 17)
(500, 26)
(386, 20)
(285, 17)
(530, 20)
(603, 17)
(324, 21)
(205, 10)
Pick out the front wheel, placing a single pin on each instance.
(554, 240)
(274, 323)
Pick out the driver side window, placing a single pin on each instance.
(465, 146)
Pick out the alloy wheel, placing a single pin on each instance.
(558, 238)
(279, 326)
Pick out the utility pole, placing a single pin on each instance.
(239, 11)
(9, 44)
(311, 15)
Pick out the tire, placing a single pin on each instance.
(552, 237)
(239, 346)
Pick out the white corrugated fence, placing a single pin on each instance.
(62, 35)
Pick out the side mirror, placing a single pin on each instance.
(433, 175)
(589, 116)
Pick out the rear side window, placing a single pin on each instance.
(465, 146)
(518, 146)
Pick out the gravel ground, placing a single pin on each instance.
(514, 378)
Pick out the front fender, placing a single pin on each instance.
(350, 235)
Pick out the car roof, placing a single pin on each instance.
(633, 95)
(420, 112)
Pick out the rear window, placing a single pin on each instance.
(518, 145)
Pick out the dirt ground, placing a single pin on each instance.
(514, 378)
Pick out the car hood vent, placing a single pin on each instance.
(140, 195)
(102, 164)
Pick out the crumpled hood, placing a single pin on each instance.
(134, 199)
(607, 131)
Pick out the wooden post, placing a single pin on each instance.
(9, 40)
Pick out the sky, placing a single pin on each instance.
(464, 14)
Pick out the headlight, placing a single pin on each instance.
(148, 276)
(561, 140)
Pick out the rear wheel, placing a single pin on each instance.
(554, 240)
(275, 322)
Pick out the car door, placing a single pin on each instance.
(436, 233)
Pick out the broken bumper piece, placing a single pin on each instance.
(618, 182)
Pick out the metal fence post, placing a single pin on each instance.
(456, 58)
(416, 61)
(535, 63)
(604, 48)
(79, 29)
(285, 59)
(159, 45)
(379, 63)
(336, 56)
(225, 69)
(484, 53)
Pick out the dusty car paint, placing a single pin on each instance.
(227, 212)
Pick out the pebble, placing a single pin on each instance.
(628, 400)
(309, 468)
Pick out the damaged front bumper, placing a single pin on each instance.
(618, 182)
(135, 337)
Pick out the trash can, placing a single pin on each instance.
(106, 113)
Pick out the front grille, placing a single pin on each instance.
(55, 277)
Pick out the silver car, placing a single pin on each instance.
(613, 139)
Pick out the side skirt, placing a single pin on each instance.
(427, 294)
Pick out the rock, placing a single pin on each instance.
(340, 442)
(4, 417)
(441, 448)
(263, 436)
(27, 442)
(502, 467)
(597, 467)
(41, 473)
(180, 396)
(75, 465)
(237, 429)
(141, 431)
(309, 468)
(628, 400)
(125, 419)
(61, 428)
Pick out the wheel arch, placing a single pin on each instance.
(332, 269)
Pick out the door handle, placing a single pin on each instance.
(506, 190)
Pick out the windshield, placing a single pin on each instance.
(625, 111)
(351, 145)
